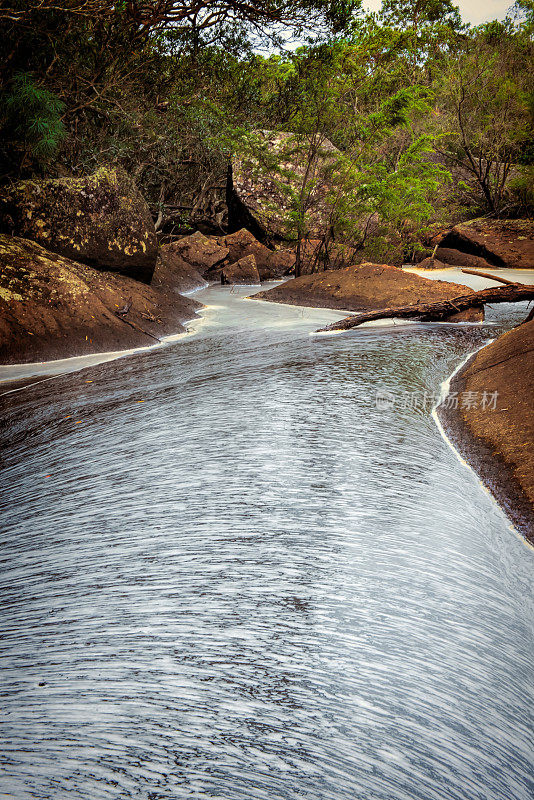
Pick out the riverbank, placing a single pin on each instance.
(489, 418)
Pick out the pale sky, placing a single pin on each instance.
(473, 11)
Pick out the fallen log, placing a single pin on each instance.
(439, 311)
(491, 277)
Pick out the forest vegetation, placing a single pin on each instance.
(431, 118)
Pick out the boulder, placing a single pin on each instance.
(243, 271)
(432, 263)
(100, 220)
(501, 243)
(202, 252)
(257, 198)
(271, 264)
(52, 307)
(457, 258)
(243, 243)
(493, 425)
(175, 274)
(366, 287)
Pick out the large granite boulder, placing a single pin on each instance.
(459, 258)
(243, 271)
(52, 307)
(489, 242)
(271, 264)
(100, 220)
(202, 252)
(173, 273)
(366, 287)
(258, 197)
(489, 416)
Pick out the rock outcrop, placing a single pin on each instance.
(457, 258)
(489, 243)
(210, 255)
(364, 287)
(172, 273)
(52, 307)
(257, 198)
(204, 253)
(100, 220)
(489, 416)
(243, 271)
(432, 263)
(271, 264)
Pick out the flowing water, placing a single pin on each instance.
(227, 572)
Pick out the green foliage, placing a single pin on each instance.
(33, 114)
(408, 96)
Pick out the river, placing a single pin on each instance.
(227, 571)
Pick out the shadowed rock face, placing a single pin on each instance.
(366, 287)
(173, 273)
(489, 242)
(100, 220)
(256, 199)
(52, 307)
(496, 435)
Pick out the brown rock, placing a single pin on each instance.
(496, 433)
(52, 307)
(280, 263)
(101, 220)
(202, 252)
(172, 272)
(432, 263)
(366, 287)
(457, 258)
(242, 243)
(502, 243)
(243, 271)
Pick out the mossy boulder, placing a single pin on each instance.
(100, 220)
(52, 307)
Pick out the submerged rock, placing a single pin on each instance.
(490, 418)
(366, 287)
(243, 271)
(492, 242)
(52, 307)
(100, 220)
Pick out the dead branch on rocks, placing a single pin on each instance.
(439, 311)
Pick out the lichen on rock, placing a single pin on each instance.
(101, 220)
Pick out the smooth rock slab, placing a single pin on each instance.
(366, 287)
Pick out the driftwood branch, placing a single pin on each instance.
(438, 311)
(488, 275)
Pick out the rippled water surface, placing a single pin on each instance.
(227, 574)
